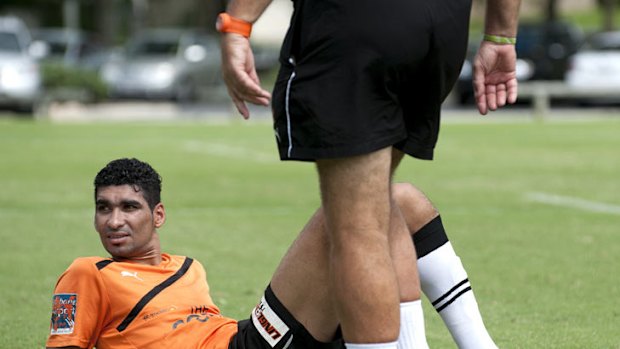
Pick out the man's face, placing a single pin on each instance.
(126, 224)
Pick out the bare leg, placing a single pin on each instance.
(356, 199)
(302, 278)
(403, 252)
(404, 258)
(416, 207)
(307, 264)
(300, 281)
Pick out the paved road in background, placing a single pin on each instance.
(222, 110)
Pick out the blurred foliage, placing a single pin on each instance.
(72, 83)
(590, 20)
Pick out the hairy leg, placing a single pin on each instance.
(302, 278)
(414, 204)
(404, 258)
(356, 199)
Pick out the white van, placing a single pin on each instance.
(20, 75)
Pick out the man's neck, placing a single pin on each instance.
(150, 258)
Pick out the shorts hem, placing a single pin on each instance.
(313, 154)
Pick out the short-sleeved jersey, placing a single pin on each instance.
(107, 304)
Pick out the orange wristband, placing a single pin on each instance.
(229, 24)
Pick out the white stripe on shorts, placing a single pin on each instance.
(288, 115)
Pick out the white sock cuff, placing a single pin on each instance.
(411, 305)
(412, 332)
(389, 345)
(443, 250)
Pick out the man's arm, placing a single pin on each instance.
(502, 17)
(78, 306)
(238, 60)
(64, 348)
(495, 80)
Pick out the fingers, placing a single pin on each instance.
(495, 82)
(259, 97)
(492, 97)
(481, 102)
(240, 74)
(239, 104)
(512, 91)
(480, 94)
(501, 95)
(245, 88)
(491, 91)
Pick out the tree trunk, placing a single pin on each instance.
(551, 10)
(107, 20)
(608, 8)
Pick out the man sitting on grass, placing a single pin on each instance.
(143, 298)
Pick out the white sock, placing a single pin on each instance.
(412, 334)
(445, 283)
(390, 345)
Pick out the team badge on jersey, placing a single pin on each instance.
(64, 306)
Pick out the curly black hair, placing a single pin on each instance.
(132, 172)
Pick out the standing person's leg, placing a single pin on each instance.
(412, 333)
(355, 193)
(301, 283)
(442, 275)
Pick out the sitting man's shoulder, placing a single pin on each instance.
(89, 263)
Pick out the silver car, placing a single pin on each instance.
(597, 64)
(20, 77)
(175, 64)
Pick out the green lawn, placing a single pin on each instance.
(546, 274)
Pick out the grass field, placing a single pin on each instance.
(533, 209)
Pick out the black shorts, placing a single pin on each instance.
(360, 75)
(272, 326)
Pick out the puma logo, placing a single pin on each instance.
(130, 274)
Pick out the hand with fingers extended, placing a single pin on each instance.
(240, 73)
(495, 78)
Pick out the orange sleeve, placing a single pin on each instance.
(79, 306)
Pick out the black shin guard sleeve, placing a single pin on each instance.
(430, 237)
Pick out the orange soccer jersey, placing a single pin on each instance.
(107, 304)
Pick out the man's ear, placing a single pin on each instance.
(159, 215)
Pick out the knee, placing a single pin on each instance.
(413, 203)
(402, 192)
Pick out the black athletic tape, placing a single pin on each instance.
(431, 237)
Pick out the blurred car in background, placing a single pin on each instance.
(168, 63)
(549, 46)
(543, 53)
(20, 78)
(597, 64)
(70, 47)
(266, 58)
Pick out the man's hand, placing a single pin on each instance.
(240, 73)
(495, 78)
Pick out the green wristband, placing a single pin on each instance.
(504, 40)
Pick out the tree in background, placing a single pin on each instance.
(608, 7)
(115, 20)
(551, 10)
